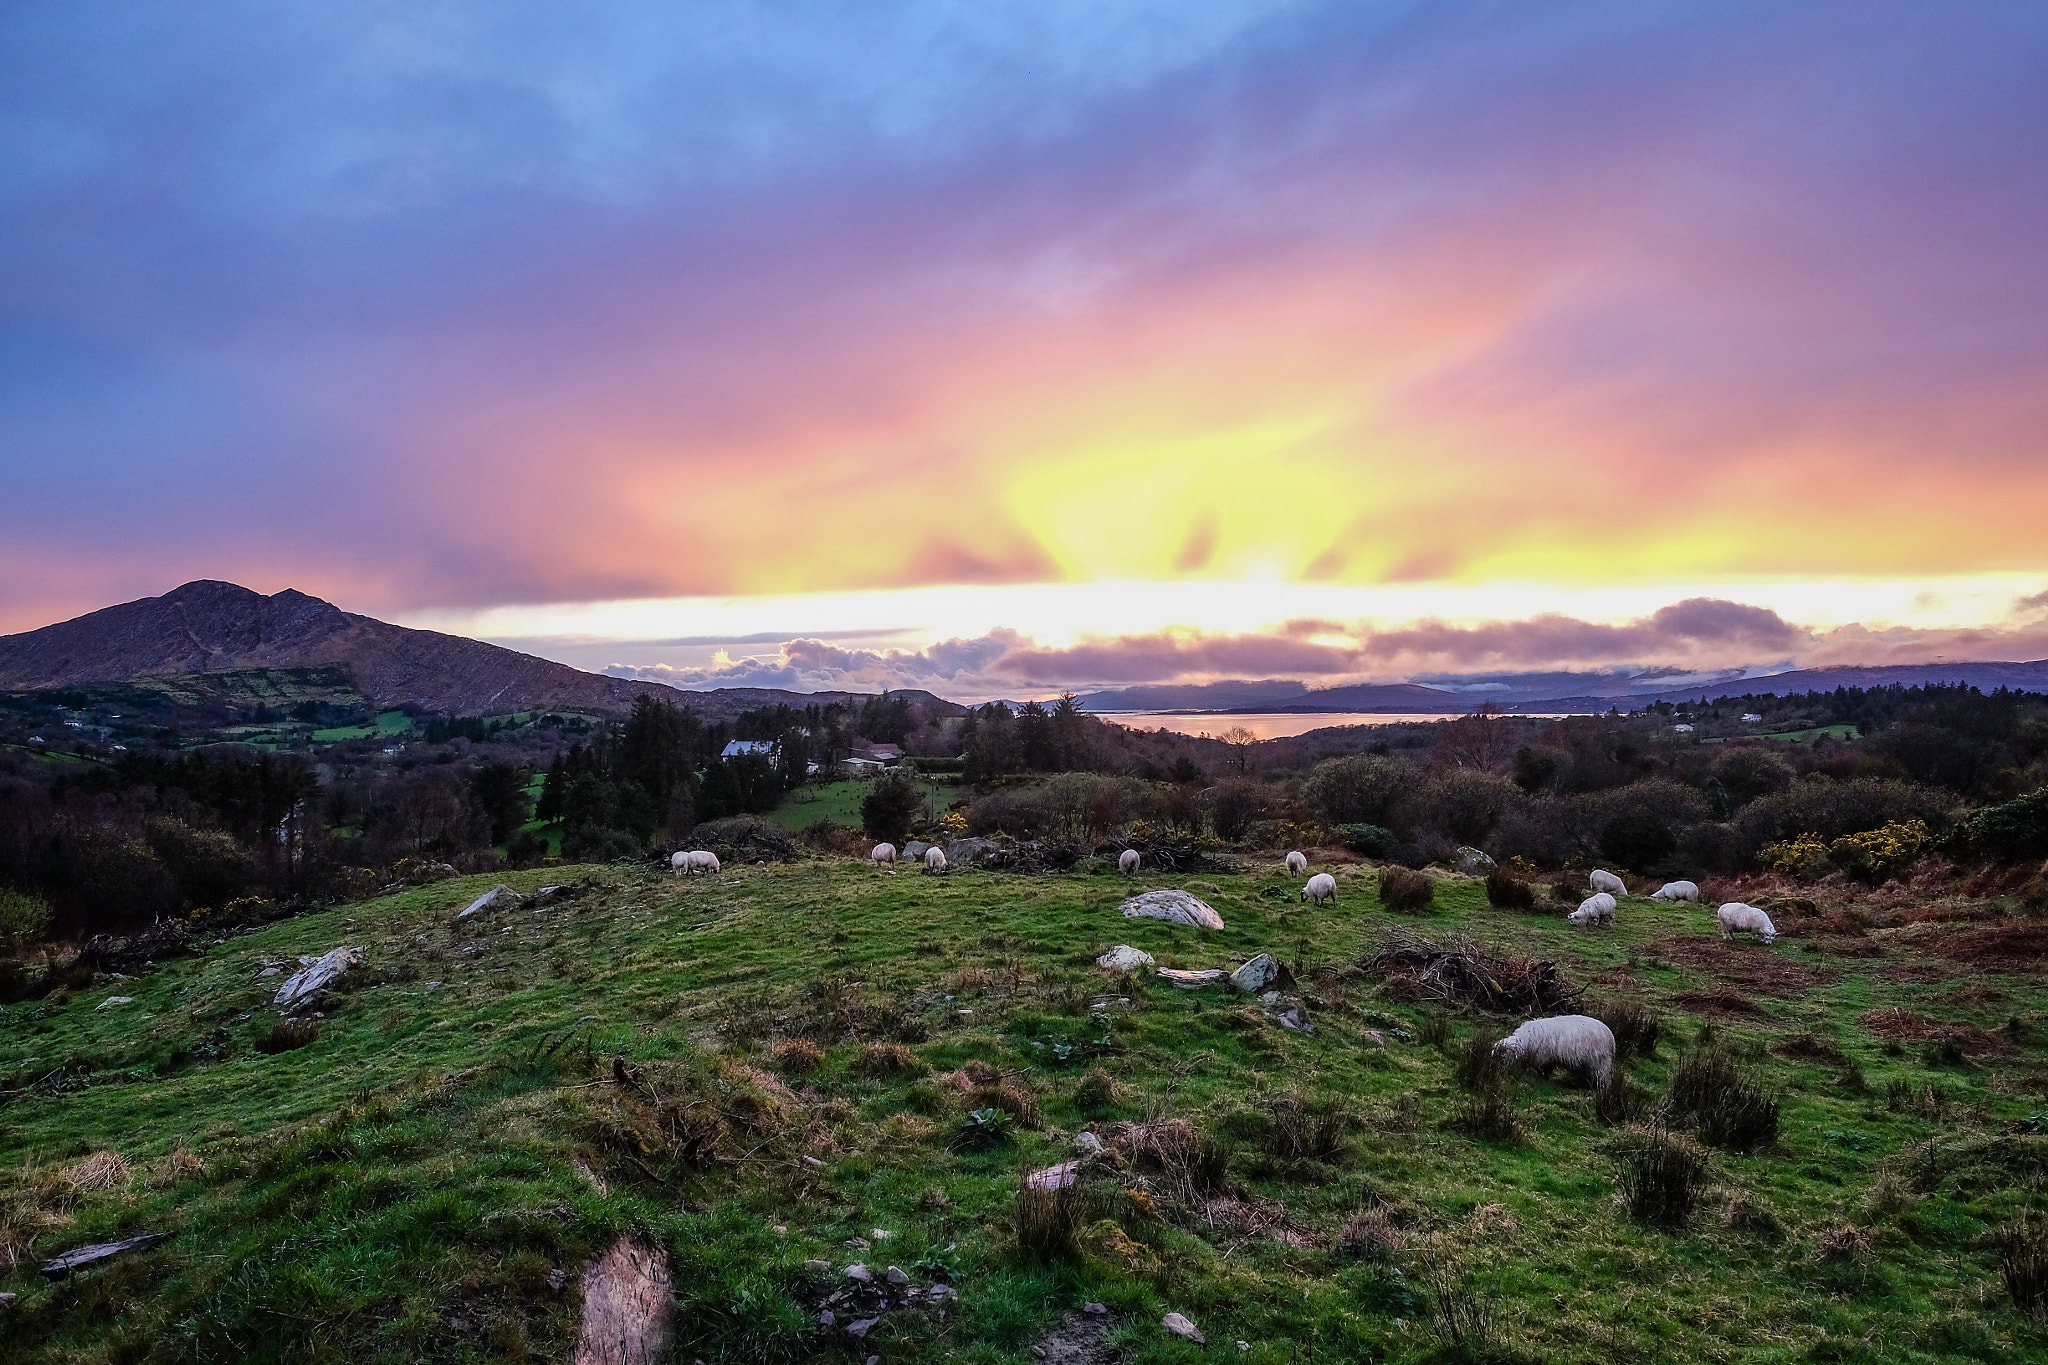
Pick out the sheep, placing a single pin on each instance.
(1606, 881)
(1677, 891)
(1321, 888)
(1127, 861)
(1737, 918)
(1597, 908)
(1297, 862)
(883, 853)
(935, 859)
(694, 861)
(1577, 1042)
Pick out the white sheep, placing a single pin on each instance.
(1677, 891)
(1597, 908)
(1606, 881)
(1127, 861)
(883, 853)
(1737, 918)
(935, 859)
(1321, 887)
(695, 861)
(1576, 1042)
(1297, 862)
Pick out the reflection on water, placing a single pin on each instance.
(1275, 725)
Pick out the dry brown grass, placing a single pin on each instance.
(798, 1056)
(100, 1171)
(879, 1060)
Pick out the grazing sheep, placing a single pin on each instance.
(883, 853)
(1297, 862)
(1127, 861)
(1737, 918)
(1321, 888)
(1606, 881)
(1597, 908)
(1677, 891)
(1576, 1042)
(935, 859)
(695, 861)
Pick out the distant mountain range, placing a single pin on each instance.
(212, 628)
(1568, 692)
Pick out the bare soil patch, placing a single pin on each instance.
(1723, 1002)
(1751, 966)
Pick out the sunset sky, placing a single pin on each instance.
(995, 347)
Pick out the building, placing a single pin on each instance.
(739, 748)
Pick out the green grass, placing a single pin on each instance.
(835, 801)
(388, 723)
(400, 1189)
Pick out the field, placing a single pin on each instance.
(755, 1069)
(835, 801)
(388, 723)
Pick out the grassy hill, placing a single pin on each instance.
(754, 1069)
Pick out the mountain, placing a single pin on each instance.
(1218, 696)
(212, 627)
(1985, 676)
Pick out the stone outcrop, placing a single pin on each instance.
(1175, 907)
(499, 897)
(628, 1304)
(1125, 958)
(316, 975)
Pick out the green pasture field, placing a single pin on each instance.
(489, 1101)
(835, 801)
(387, 723)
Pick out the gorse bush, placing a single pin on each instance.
(1711, 1094)
(1508, 893)
(1405, 890)
(24, 919)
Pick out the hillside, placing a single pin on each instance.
(777, 1073)
(213, 627)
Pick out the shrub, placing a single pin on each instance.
(2013, 829)
(1371, 1235)
(1620, 1101)
(1297, 1129)
(1477, 1065)
(892, 801)
(1100, 1092)
(2023, 1264)
(1876, 855)
(1805, 857)
(984, 1129)
(1487, 1110)
(798, 1056)
(1460, 1314)
(1360, 791)
(526, 848)
(1434, 1030)
(1369, 841)
(1465, 803)
(1507, 893)
(1048, 1223)
(24, 919)
(1715, 1097)
(1637, 1029)
(1662, 1176)
(287, 1035)
(1403, 890)
(877, 1060)
(1009, 1097)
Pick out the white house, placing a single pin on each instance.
(1752, 719)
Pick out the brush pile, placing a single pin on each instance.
(1459, 973)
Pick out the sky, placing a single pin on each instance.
(1003, 346)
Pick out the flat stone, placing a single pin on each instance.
(497, 898)
(1095, 1310)
(1176, 907)
(1296, 1020)
(894, 1275)
(1053, 1177)
(318, 975)
(1193, 980)
(1088, 1142)
(78, 1258)
(1256, 975)
(863, 1327)
(115, 1000)
(1181, 1327)
(1125, 958)
(270, 971)
(857, 1271)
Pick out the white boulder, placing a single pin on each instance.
(1177, 907)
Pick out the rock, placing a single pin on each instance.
(322, 973)
(1293, 1018)
(498, 897)
(780, 1230)
(1193, 980)
(880, 1234)
(1053, 1177)
(547, 893)
(894, 1275)
(914, 850)
(826, 1317)
(1471, 861)
(863, 1327)
(1256, 975)
(270, 971)
(1095, 1310)
(1176, 907)
(967, 850)
(78, 1258)
(1125, 958)
(857, 1271)
(1181, 1327)
(817, 1265)
(628, 1297)
(557, 1279)
(7, 1301)
(1088, 1142)
(939, 1293)
(115, 1000)
(814, 1163)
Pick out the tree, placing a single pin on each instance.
(500, 791)
(1237, 742)
(891, 803)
